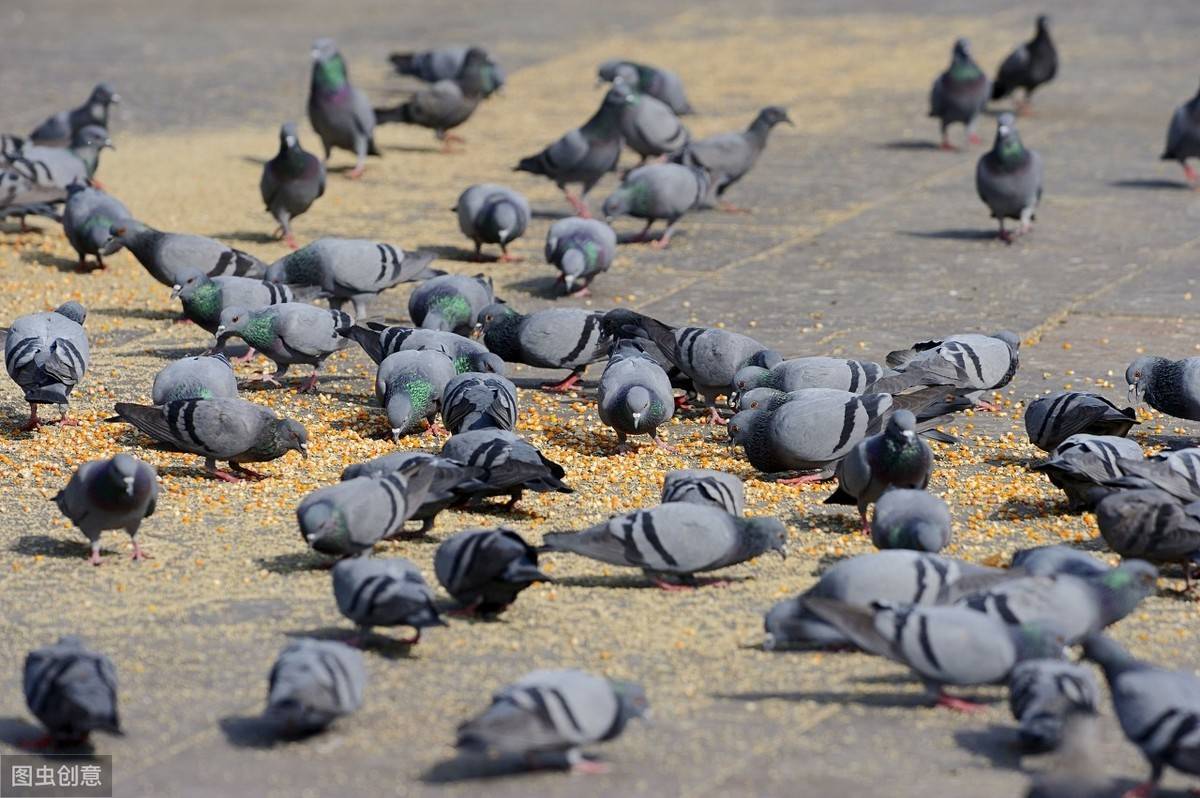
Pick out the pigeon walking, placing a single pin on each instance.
(168, 257)
(479, 401)
(449, 102)
(555, 338)
(959, 94)
(1008, 179)
(1082, 466)
(1169, 386)
(492, 214)
(451, 302)
(1183, 138)
(72, 691)
(897, 458)
(380, 340)
(291, 182)
(485, 569)
(340, 113)
(391, 592)
(348, 518)
(509, 465)
(658, 191)
(442, 63)
(1043, 694)
(46, 355)
(87, 217)
(705, 486)
(312, 684)
(649, 126)
(204, 298)
(580, 249)
(662, 84)
(409, 385)
(1050, 420)
(634, 395)
(729, 157)
(118, 493)
(908, 518)
(1028, 67)
(200, 377)
(288, 333)
(58, 130)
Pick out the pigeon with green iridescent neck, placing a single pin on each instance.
(556, 338)
(634, 396)
(648, 125)
(479, 401)
(728, 157)
(580, 249)
(60, 129)
(1050, 420)
(289, 333)
(662, 84)
(450, 102)
(492, 214)
(170, 256)
(910, 518)
(705, 486)
(380, 340)
(291, 182)
(1009, 179)
(312, 684)
(340, 113)
(204, 298)
(87, 217)
(200, 377)
(72, 691)
(895, 458)
(658, 191)
(450, 302)
(384, 592)
(855, 376)
(1027, 67)
(409, 385)
(443, 63)
(1183, 137)
(960, 94)
(485, 569)
(117, 493)
(47, 355)
(508, 465)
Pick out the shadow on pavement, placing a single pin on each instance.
(19, 732)
(1151, 184)
(470, 768)
(911, 144)
(370, 643)
(450, 252)
(48, 259)
(970, 234)
(250, 236)
(999, 744)
(46, 546)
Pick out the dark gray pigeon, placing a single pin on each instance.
(648, 125)
(555, 338)
(547, 716)
(509, 465)
(450, 302)
(729, 157)
(441, 63)
(1008, 179)
(409, 386)
(220, 429)
(1043, 694)
(1082, 467)
(117, 493)
(1169, 386)
(970, 363)
(312, 684)
(58, 130)
(1183, 137)
(289, 333)
(492, 214)
(1176, 472)
(705, 486)
(340, 113)
(959, 94)
(896, 457)
(795, 374)
(634, 395)
(169, 256)
(1152, 525)
(907, 518)
(1058, 559)
(485, 569)
(662, 84)
(200, 377)
(1028, 66)
(47, 355)
(87, 217)
(1050, 420)
(479, 401)
(380, 340)
(72, 691)
(658, 191)
(580, 249)
(449, 102)
(450, 484)
(291, 182)
(391, 592)
(348, 518)
(204, 298)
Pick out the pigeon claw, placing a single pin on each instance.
(974, 139)
(1145, 790)
(715, 417)
(224, 475)
(563, 386)
(803, 479)
(588, 767)
(959, 704)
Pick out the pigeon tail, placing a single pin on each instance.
(404, 63)
(367, 339)
(400, 113)
(534, 164)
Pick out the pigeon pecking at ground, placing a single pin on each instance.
(658, 191)
(1043, 694)
(1008, 179)
(1028, 67)
(380, 340)
(451, 483)
(46, 355)
(634, 395)
(117, 493)
(339, 112)
(907, 518)
(1152, 525)
(291, 182)
(59, 130)
(506, 465)
(348, 518)
(383, 592)
(479, 401)
(1050, 420)
(580, 249)
(409, 385)
(970, 363)
(451, 302)
(1083, 466)
(492, 214)
(960, 94)
(662, 84)
(485, 569)
(855, 376)
(72, 691)
(729, 157)
(705, 486)
(288, 333)
(87, 217)
(204, 298)
(312, 684)
(555, 338)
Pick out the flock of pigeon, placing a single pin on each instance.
(953, 623)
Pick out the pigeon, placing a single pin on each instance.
(583, 155)
(1058, 559)
(204, 298)
(510, 464)
(450, 302)
(553, 713)
(485, 569)
(348, 518)
(658, 191)
(479, 401)
(1169, 386)
(220, 429)
(555, 338)
(908, 518)
(88, 215)
(289, 333)
(312, 684)
(448, 103)
(409, 386)
(1159, 709)
(1008, 179)
(450, 485)
(959, 94)
(970, 363)
(58, 130)
(442, 63)
(168, 256)
(1082, 466)
(580, 249)
(38, 178)
(855, 376)
(1050, 420)
(896, 457)
(1028, 66)
(72, 691)
(1043, 694)
(1152, 525)
(1176, 472)
(340, 113)
(380, 340)
(46, 355)
(200, 377)
(648, 125)
(492, 214)
(634, 395)
(1183, 137)
(892, 576)
(673, 542)
(662, 84)
(291, 182)
(704, 486)
(729, 157)
(351, 270)
(388, 592)
(118, 493)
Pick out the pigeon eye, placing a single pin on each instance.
(754, 404)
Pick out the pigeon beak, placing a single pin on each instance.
(646, 717)
(477, 332)
(1135, 395)
(115, 98)
(637, 420)
(396, 434)
(109, 144)
(128, 485)
(782, 552)
(176, 290)
(503, 234)
(304, 450)
(909, 435)
(788, 121)
(220, 330)
(732, 401)
(1003, 130)
(569, 282)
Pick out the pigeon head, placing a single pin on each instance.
(104, 94)
(323, 527)
(749, 378)
(1011, 338)
(91, 136)
(1124, 587)
(324, 49)
(329, 74)
(902, 426)
(616, 68)
(763, 534)
(479, 74)
(573, 263)
(291, 436)
(632, 703)
(401, 416)
(1043, 24)
(121, 234)
(766, 398)
(622, 94)
(189, 281)
(1008, 147)
(289, 139)
(637, 406)
(122, 473)
(73, 311)
(494, 315)
(233, 321)
(502, 220)
(773, 115)
(1140, 374)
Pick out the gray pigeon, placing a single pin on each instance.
(960, 94)
(1153, 525)
(339, 112)
(1083, 465)
(729, 157)
(289, 333)
(662, 84)
(380, 340)
(555, 338)
(448, 102)
(351, 269)
(1028, 66)
(1183, 137)
(970, 363)
(673, 542)
(58, 130)
(169, 256)
(1058, 559)
(220, 429)
(580, 249)
(441, 63)
(72, 691)
(450, 484)
(634, 395)
(409, 386)
(389, 592)
(38, 178)
(549, 715)
(485, 569)
(87, 217)
(312, 684)
(907, 518)
(348, 518)
(450, 302)
(855, 376)
(118, 493)
(509, 464)
(583, 155)
(291, 182)
(1043, 694)
(46, 355)
(1159, 709)
(649, 126)
(204, 298)
(1008, 179)
(1169, 386)
(479, 401)
(658, 191)
(1050, 420)
(704, 486)
(897, 457)
(200, 377)
(492, 214)
(1176, 472)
